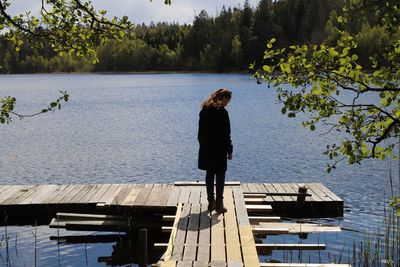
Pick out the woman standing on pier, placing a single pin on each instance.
(215, 145)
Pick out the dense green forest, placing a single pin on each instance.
(230, 41)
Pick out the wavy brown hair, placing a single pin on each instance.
(216, 99)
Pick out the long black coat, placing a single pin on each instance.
(214, 138)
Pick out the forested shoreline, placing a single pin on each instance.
(228, 42)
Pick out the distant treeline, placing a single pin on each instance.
(230, 41)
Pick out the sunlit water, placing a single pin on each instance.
(142, 128)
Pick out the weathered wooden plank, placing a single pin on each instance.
(184, 263)
(85, 189)
(80, 216)
(321, 196)
(9, 192)
(200, 264)
(3, 188)
(240, 207)
(233, 253)
(57, 194)
(217, 264)
(217, 237)
(328, 195)
(258, 219)
(173, 196)
(203, 253)
(168, 218)
(235, 264)
(158, 197)
(253, 187)
(131, 197)
(122, 195)
(143, 195)
(278, 187)
(271, 188)
(99, 194)
(244, 187)
(39, 194)
(185, 194)
(261, 188)
(112, 197)
(289, 189)
(91, 225)
(169, 263)
(192, 233)
(177, 252)
(327, 192)
(108, 195)
(194, 195)
(255, 201)
(270, 230)
(172, 237)
(90, 194)
(17, 195)
(203, 195)
(250, 256)
(260, 208)
(68, 199)
(295, 228)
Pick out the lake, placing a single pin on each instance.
(142, 128)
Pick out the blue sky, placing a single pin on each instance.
(139, 11)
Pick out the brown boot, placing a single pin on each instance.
(219, 206)
(211, 205)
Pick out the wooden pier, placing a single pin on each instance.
(197, 238)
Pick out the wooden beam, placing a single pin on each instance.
(160, 245)
(285, 194)
(263, 249)
(261, 208)
(255, 201)
(166, 229)
(85, 239)
(168, 218)
(258, 219)
(296, 228)
(254, 195)
(270, 230)
(80, 216)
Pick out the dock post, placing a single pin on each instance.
(142, 248)
(302, 197)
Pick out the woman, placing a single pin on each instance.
(215, 145)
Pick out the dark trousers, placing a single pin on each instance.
(220, 182)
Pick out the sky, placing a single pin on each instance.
(139, 11)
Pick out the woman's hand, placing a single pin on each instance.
(230, 156)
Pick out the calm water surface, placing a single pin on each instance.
(142, 128)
